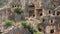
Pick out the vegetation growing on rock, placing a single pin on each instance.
(8, 23)
(17, 10)
(30, 28)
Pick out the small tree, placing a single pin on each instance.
(18, 10)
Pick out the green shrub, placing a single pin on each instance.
(8, 23)
(18, 10)
(24, 23)
(28, 26)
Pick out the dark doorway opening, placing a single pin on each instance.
(58, 13)
(40, 29)
(52, 31)
(33, 15)
(49, 12)
(40, 14)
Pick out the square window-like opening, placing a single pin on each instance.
(31, 13)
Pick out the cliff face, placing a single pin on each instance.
(50, 3)
(3, 2)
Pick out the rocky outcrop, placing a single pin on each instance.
(16, 30)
